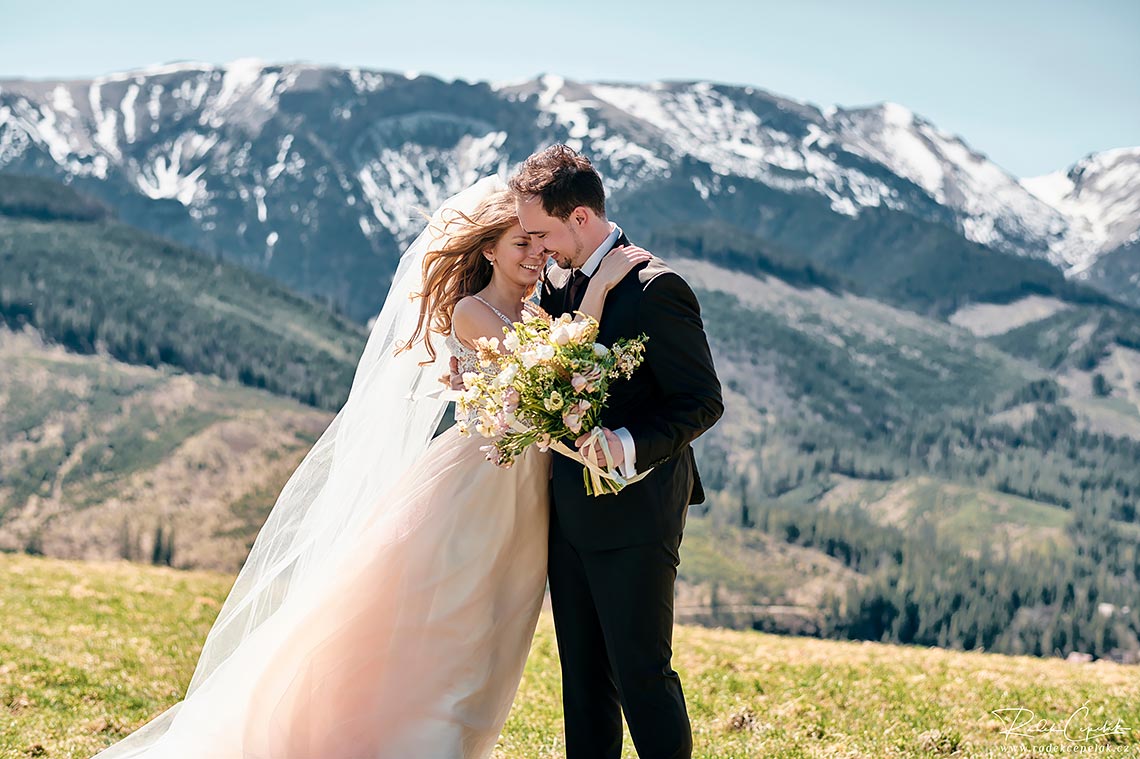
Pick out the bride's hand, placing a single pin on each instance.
(453, 379)
(617, 263)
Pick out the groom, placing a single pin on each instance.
(613, 558)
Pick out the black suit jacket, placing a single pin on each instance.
(671, 399)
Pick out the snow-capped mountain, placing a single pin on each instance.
(317, 175)
(794, 146)
(1100, 195)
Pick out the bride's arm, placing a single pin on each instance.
(473, 320)
(613, 268)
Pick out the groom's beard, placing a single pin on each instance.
(567, 262)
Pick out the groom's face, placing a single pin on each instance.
(561, 239)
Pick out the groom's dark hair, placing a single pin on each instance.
(564, 179)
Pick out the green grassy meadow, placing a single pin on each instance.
(90, 651)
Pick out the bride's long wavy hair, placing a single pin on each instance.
(458, 267)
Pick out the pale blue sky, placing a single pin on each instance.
(1034, 85)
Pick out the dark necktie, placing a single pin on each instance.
(577, 290)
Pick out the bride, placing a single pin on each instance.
(387, 606)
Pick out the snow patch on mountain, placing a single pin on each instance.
(164, 69)
(568, 112)
(154, 106)
(896, 142)
(177, 171)
(366, 81)
(993, 208)
(47, 131)
(700, 122)
(106, 122)
(1100, 195)
(401, 184)
(246, 97)
(61, 101)
(61, 133)
(706, 123)
(128, 110)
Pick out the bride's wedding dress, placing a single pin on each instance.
(417, 646)
(406, 642)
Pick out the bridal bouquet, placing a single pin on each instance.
(545, 382)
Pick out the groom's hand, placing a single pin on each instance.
(594, 453)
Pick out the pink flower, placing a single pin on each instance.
(573, 422)
(578, 382)
(491, 452)
(511, 400)
(495, 456)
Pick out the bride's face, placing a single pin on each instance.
(517, 258)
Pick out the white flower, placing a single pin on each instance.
(544, 352)
(554, 402)
(511, 342)
(560, 335)
(507, 376)
(486, 425)
(487, 343)
(601, 351)
(578, 331)
(469, 379)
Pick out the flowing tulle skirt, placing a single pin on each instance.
(412, 648)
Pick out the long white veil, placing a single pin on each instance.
(383, 427)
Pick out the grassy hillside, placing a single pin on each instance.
(912, 451)
(970, 518)
(925, 266)
(1077, 337)
(102, 459)
(90, 651)
(95, 285)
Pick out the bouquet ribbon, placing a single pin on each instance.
(598, 481)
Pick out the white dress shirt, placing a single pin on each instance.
(629, 466)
